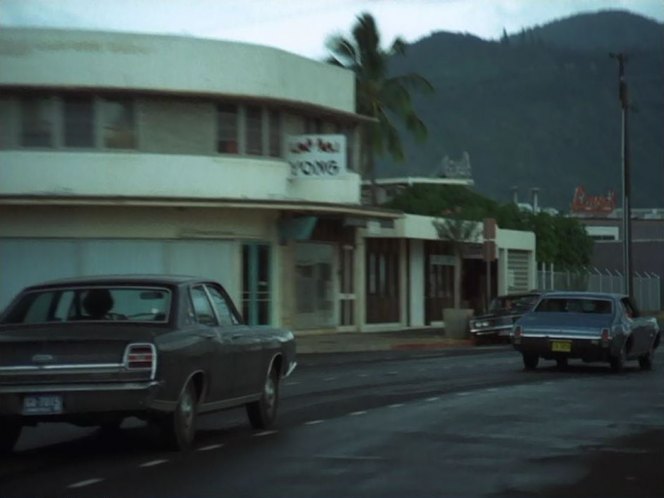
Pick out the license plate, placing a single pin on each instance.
(561, 346)
(42, 404)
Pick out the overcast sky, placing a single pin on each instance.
(301, 26)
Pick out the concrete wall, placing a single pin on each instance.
(175, 176)
(130, 222)
(124, 61)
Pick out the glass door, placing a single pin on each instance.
(256, 294)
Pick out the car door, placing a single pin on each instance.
(218, 362)
(245, 343)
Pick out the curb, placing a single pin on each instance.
(433, 345)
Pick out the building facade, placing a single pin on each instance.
(126, 153)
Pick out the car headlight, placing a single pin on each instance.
(481, 324)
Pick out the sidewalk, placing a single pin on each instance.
(376, 341)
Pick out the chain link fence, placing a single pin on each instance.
(647, 286)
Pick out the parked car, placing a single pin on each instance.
(590, 326)
(93, 351)
(503, 311)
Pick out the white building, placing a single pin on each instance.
(124, 153)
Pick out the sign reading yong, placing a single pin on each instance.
(317, 156)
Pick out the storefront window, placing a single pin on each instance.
(314, 285)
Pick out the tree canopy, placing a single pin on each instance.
(560, 240)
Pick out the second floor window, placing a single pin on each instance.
(36, 122)
(275, 134)
(227, 129)
(119, 129)
(79, 121)
(254, 128)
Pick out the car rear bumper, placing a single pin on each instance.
(587, 349)
(500, 330)
(79, 401)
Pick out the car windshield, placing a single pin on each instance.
(574, 305)
(142, 304)
(516, 303)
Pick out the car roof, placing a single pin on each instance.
(520, 294)
(130, 279)
(585, 294)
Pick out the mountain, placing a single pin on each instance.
(540, 108)
(610, 30)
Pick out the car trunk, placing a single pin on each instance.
(568, 324)
(81, 352)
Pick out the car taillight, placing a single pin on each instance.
(517, 333)
(141, 357)
(605, 337)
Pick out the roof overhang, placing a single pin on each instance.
(286, 206)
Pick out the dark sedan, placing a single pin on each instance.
(93, 351)
(589, 326)
(503, 311)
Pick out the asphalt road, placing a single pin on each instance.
(386, 424)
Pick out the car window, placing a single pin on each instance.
(37, 312)
(628, 308)
(574, 305)
(202, 306)
(222, 307)
(515, 303)
(99, 303)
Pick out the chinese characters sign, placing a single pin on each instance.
(317, 156)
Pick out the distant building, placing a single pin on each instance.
(389, 188)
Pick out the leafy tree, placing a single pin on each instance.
(379, 95)
(560, 240)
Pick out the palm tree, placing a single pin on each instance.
(379, 95)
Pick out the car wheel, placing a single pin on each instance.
(530, 361)
(618, 361)
(10, 431)
(263, 413)
(645, 361)
(179, 428)
(561, 363)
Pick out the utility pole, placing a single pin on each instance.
(623, 96)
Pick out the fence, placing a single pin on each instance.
(647, 286)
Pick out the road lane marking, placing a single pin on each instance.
(463, 394)
(314, 422)
(430, 400)
(264, 433)
(152, 463)
(210, 447)
(351, 457)
(396, 405)
(87, 482)
(293, 383)
(355, 414)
